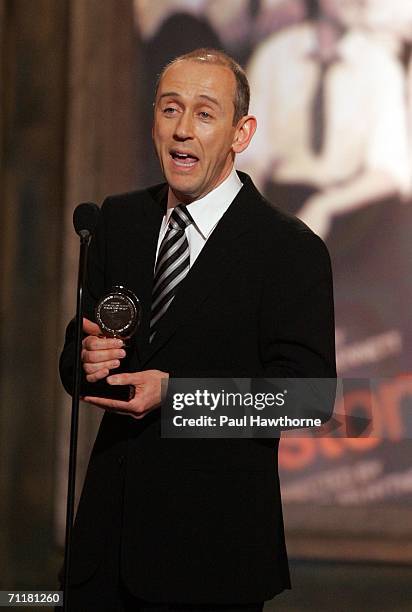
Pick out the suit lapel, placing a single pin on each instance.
(141, 255)
(223, 248)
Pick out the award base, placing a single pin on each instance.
(102, 389)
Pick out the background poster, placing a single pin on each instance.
(331, 88)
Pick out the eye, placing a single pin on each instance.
(169, 110)
(205, 115)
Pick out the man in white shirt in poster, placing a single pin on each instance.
(325, 71)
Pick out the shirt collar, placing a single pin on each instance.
(207, 211)
(343, 45)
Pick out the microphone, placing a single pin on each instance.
(85, 218)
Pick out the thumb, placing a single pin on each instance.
(90, 328)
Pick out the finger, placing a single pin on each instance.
(105, 402)
(91, 328)
(126, 378)
(97, 375)
(102, 356)
(116, 406)
(93, 343)
(91, 368)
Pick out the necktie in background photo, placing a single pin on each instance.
(172, 265)
(319, 110)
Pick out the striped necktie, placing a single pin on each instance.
(172, 265)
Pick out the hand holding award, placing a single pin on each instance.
(118, 315)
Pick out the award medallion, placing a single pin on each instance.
(118, 313)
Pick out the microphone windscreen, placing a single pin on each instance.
(85, 217)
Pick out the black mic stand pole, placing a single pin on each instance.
(71, 487)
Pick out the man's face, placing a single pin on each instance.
(193, 129)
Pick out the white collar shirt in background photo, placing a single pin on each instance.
(366, 125)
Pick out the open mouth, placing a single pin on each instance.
(183, 160)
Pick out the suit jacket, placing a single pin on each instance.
(202, 518)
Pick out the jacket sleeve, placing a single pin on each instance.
(300, 341)
(298, 345)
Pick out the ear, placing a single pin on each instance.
(244, 131)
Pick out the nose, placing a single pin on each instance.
(184, 126)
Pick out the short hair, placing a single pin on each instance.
(218, 58)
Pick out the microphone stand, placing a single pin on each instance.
(74, 426)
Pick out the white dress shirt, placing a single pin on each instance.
(206, 213)
(366, 122)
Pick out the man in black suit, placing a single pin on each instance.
(230, 287)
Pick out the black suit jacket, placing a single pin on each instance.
(202, 519)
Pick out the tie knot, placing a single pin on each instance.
(180, 217)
